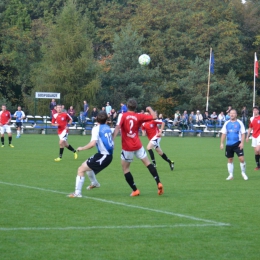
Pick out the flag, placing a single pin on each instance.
(256, 66)
(212, 61)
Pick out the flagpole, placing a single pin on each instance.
(254, 79)
(207, 104)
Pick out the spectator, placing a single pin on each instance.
(177, 117)
(54, 111)
(123, 108)
(183, 122)
(103, 109)
(113, 116)
(192, 118)
(221, 118)
(186, 115)
(206, 118)
(63, 110)
(72, 113)
(244, 116)
(213, 118)
(52, 105)
(198, 118)
(109, 120)
(82, 119)
(85, 108)
(94, 114)
(108, 108)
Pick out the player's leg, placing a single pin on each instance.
(141, 154)
(18, 132)
(257, 154)
(9, 133)
(126, 159)
(230, 165)
(2, 136)
(150, 147)
(68, 146)
(164, 156)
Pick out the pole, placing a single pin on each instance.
(254, 80)
(207, 104)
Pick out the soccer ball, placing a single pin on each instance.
(144, 59)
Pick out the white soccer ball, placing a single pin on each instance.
(144, 59)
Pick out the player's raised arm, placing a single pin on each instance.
(151, 112)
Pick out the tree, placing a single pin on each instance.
(124, 77)
(68, 66)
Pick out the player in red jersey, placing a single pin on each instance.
(255, 126)
(62, 120)
(150, 128)
(129, 123)
(5, 120)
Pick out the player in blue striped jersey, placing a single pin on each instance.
(234, 132)
(102, 139)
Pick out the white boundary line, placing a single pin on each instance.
(107, 227)
(215, 223)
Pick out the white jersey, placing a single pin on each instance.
(103, 136)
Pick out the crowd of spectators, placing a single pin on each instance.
(183, 120)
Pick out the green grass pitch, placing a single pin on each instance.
(200, 216)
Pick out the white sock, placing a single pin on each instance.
(230, 167)
(79, 183)
(243, 167)
(92, 177)
(18, 133)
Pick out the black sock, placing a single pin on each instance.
(164, 156)
(61, 152)
(2, 140)
(10, 139)
(152, 155)
(154, 172)
(71, 148)
(257, 157)
(130, 180)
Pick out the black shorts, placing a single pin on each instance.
(98, 162)
(231, 149)
(19, 124)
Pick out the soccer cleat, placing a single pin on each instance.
(11, 145)
(92, 186)
(135, 193)
(75, 155)
(172, 165)
(160, 189)
(74, 195)
(2, 146)
(58, 159)
(244, 176)
(257, 168)
(229, 178)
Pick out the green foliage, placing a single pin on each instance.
(68, 66)
(125, 78)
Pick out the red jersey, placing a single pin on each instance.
(62, 120)
(255, 125)
(5, 117)
(130, 123)
(151, 128)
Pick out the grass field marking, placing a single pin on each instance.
(107, 227)
(123, 204)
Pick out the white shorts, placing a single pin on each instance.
(129, 156)
(64, 135)
(255, 141)
(5, 128)
(156, 142)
